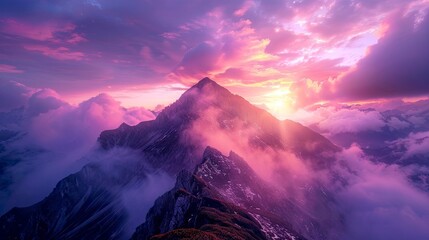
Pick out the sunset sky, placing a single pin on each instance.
(83, 84)
(281, 55)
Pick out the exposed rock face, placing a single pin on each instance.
(206, 202)
(222, 198)
(166, 143)
(275, 209)
(193, 208)
(80, 207)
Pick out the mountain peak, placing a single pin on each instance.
(208, 85)
(204, 82)
(197, 98)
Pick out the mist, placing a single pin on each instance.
(376, 200)
(52, 140)
(132, 180)
(140, 197)
(379, 200)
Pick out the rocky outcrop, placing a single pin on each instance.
(192, 207)
(222, 198)
(205, 203)
(82, 206)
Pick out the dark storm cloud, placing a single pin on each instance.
(397, 66)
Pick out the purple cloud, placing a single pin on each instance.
(109, 45)
(57, 135)
(395, 123)
(379, 202)
(352, 121)
(5, 68)
(395, 67)
(60, 53)
(415, 144)
(13, 95)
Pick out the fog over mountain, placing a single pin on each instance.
(190, 119)
(211, 166)
(45, 139)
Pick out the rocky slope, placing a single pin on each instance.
(192, 207)
(197, 205)
(277, 211)
(82, 206)
(166, 143)
(86, 205)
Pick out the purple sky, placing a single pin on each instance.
(283, 54)
(74, 65)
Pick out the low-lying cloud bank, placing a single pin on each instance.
(379, 201)
(45, 139)
(383, 187)
(393, 116)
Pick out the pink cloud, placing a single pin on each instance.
(76, 38)
(232, 45)
(65, 127)
(170, 35)
(244, 8)
(40, 31)
(233, 73)
(317, 69)
(269, 41)
(58, 135)
(286, 40)
(5, 68)
(60, 53)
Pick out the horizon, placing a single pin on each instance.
(281, 115)
(309, 119)
(311, 53)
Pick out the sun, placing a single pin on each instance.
(280, 102)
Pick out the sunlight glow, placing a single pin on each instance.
(280, 102)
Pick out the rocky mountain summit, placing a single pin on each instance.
(215, 196)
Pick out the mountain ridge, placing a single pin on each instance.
(202, 205)
(206, 95)
(173, 143)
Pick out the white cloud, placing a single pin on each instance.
(352, 121)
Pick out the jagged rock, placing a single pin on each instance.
(191, 207)
(85, 205)
(80, 207)
(200, 199)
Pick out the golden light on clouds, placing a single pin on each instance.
(280, 102)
